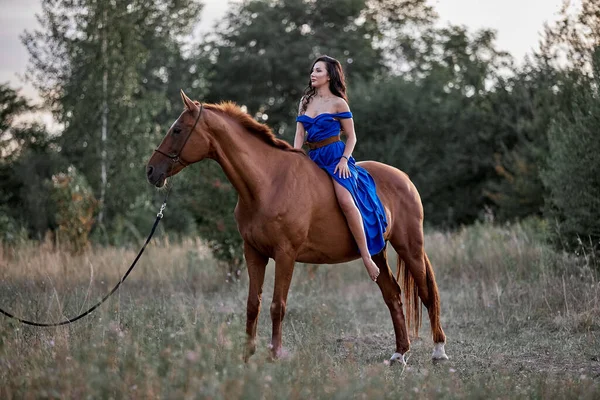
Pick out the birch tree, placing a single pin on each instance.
(104, 68)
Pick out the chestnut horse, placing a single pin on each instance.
(287, 210)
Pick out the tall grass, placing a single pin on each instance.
(521, 321)
(517, 276)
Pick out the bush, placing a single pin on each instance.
(11, 231)
(75, 206)
(211, 200)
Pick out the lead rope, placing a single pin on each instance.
(159, 216)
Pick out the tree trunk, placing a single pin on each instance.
(104, 130)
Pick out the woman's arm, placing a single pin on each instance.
(347, 127)
(299, 138)
(300, 132)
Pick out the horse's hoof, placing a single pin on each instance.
(249, 350)
(279, 354)
(398, 358)
(439, 354)
(247, 354)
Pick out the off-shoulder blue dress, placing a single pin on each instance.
(360, 185)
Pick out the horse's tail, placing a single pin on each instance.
(412, 302)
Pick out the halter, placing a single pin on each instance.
(175, 158)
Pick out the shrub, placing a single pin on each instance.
(75, 205)
(11, 231)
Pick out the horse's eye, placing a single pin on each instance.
(176, 131)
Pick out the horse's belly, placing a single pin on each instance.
(318, 257)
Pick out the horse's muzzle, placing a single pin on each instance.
(154, 177)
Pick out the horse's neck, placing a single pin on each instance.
(247, 161)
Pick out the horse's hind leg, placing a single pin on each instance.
(256, 263)
(392, 297)
(416, 261)
(433, 304)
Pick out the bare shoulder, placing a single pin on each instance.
(300, 110)
(341, 105)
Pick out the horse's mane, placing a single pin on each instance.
(258, 129)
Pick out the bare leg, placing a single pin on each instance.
(256, 263)
(284, 268)
(355, 224)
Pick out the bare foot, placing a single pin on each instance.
(372, 269)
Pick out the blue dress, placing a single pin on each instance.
(360, 185)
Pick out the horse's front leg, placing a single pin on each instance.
(256, 263)
(284, 268)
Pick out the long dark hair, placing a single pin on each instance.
(337, 81)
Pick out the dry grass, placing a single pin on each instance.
(522, 321)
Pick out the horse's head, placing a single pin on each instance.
(184, 144)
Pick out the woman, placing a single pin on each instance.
(323, 111)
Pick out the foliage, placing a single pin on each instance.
(29, 159)
(573, 172)
(31, 173)
(11, 106)
(522, 107)
(438, 128)
(110, 71)
(212, 206)
(402, 31)
(75, 206)
(570, 43)
(12, 232)
(528, 102)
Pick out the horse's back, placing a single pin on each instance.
(394, 186)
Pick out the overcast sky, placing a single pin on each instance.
(517, 22)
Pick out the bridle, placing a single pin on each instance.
(176, 158)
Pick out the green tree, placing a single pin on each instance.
(573, 172)
(403, 28)
(435, 123)
(523, 107)
(104, 67)
(29, 158)
(528, 102)
(11, 106)
(569, 44)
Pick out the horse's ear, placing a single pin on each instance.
(189, 104)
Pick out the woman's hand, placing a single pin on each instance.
(342, 167)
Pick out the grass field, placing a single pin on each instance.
(522, 322)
